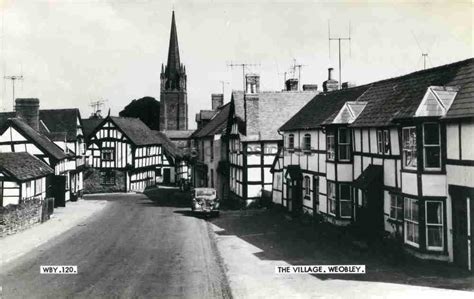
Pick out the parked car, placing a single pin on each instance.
(205, 201)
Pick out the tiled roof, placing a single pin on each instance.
(325, 106)
(168, 146)
(400, 97)
(205, 115)
(61, 120)
(89, 124)
(178, 134)
(43, 142)
(136, 130)
(24, 166)
(216, 125)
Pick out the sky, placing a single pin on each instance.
(71, 53)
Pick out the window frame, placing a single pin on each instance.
(107, 150)
(383, 141)
(398, 207)
(427, 225)
(347, 145)
(405, 149)
(412, 221)
(331, 196)
(307, 142)
(425, 146)
(341, 200)
(307, 187)
(291, 141)
(330, 146)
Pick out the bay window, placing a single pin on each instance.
(345, 206)
(431, 146)
(332, 198)
(344, 144)
(434, 225)
(330, 147)
(411, 222)
(396, 207)
(409, 147)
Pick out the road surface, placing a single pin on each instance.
(135, 248)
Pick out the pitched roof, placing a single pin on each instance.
(373, 173)
(323, 106)
(216, 125)
(43, 142)
(61, 120)
(168, 146)
(89, 124)
(400, 97)
(136, 130)
(24, 166)
(205, 115)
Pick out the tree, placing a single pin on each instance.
(147, 109)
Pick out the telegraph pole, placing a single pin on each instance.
(223, 86)
(243, 66)
(339, 39)
(425, 55)
(13, 78)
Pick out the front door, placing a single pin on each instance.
(166, 176)
(59, 190)
(462, 226)
(296, 196)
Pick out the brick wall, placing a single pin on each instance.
(15, 218)
(92, 182)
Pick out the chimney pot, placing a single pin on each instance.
(330, 73)
(217, 100)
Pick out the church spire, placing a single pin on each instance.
(173, 65)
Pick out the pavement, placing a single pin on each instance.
(253, 244)
(63, 219)
(135, 248)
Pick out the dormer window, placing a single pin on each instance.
(291, 141)
(437, 101)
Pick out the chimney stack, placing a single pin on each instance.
(291, 84)
(28, 110)
(330, 84)
(312, 87)
(217, 100)
(252, 83)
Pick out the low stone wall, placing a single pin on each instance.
(92, 182)
(15, 218)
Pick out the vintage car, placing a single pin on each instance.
(205, 201)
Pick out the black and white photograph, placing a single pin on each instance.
(236, 149)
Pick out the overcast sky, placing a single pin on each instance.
(73, 52)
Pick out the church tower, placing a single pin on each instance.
(173, 95)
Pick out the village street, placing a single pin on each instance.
(151, 246)
(135, 248)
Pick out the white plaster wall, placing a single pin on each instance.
(434, 184)
(373, 141)
(365, 140)
(467, 141)
(331, 174)
(452, 141)
(313, 162)
(394, 144)
(409, 183)
(357, 160)
(344, 172)
(322, 163)
(254, 174)
(460, 175)
(389, 173)
(357, 137)
(378, 161)
(253, 190)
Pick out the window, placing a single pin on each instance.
(330, 148)
(158, 172)
(307, 142)
(212, 150)
(332, 198)
(38, 187)
(396, 207)
(307, 186)
(107, 178)
(107, 154)
(409, 147)
(344, 144)
(291, 141)
(345, 205)
(434, 225)
(383, 141)
(411, 222)
(431, 146)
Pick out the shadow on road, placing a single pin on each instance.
(169, 197)
(297, 243)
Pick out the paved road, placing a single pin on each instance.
(136, 248)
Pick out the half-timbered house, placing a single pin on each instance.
(381, 160)
(124, 155)
(254, 119)
(22, 177)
